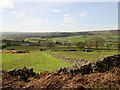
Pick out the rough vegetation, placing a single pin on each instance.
(101, 74)
(14, 51)
(109, 79)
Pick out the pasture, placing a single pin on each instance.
(93, 56)
(40, 61)
(75, 39)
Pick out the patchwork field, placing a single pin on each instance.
(40, 61)
(74, 39)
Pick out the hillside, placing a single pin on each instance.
(100, 74)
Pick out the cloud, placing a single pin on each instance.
(56, 11)
(67, 25)
(66, 15)
(32, 22)
(18, 14)
(14, 12)
(68, 19)
(1, 10)
(83, 13)
(35, 21)
(69, 22)
(46, 20)
(6, 4)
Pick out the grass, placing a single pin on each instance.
(40, 61)
(71, 38)
(35, 40)
(86, 55)
(30, 48)
(83, 38)
(109, 38)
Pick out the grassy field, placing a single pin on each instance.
(35, 40)
(40, 61)
(82, 38)
(86, 55)
(74, 39)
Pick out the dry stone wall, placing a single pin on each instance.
(74, 61)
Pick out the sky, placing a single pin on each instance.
(57, 16)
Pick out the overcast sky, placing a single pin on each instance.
(59, 16)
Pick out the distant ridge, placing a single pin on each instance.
(56, 34)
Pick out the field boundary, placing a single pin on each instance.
(74, 61)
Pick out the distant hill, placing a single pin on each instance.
(23, 35)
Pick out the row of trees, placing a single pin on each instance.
(92, 42)
(95, 41)
(98, 42)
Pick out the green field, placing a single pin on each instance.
(35, 40)
(82, 38)
(93, 56)
(75, 39)
(40, 61)
(72, 38)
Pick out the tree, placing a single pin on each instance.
(118, 45)
(8, 44)
(89, 43)
(58, 43)
(50, 44)
(67, 43)
(39, 41)
(97, 41)
(108, 46)
(80, 45)
(23, 40)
